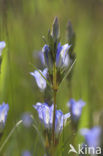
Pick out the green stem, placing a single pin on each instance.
(54, 91)
(10, 134)
(54, 117)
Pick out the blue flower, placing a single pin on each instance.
(92, 136)
(62, 56)
(60, 120)
(47, 56)
(2, 46)
(41, 82)
(3, 115)
(27, 120)
(26, 153)
(76, 108)
(45, 113)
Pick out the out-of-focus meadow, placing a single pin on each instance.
(22, 25)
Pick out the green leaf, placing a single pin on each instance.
(68, 72)
(42, 140)
(10, 134)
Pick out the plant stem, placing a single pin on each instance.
(9, 135)
(54, 91)
(54, 117)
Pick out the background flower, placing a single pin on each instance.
(27, 120)
(2, 46)
(76, 108)
(26, 153)
(92, 136)
(3, 115)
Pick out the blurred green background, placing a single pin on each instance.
(22, 25)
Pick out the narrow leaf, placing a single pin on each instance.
(68, 72)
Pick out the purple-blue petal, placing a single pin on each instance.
(45, 114)
(92, 136)
(3, 112)
(26, 153)
(76, 108)
(2, 46)
(47, 55)
(27, 120)
(58, 121)
(62, 57)
(41, 82)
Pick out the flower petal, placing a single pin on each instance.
(2, 46)
(76, 108)
(41, 82)
(3, 114)
(62, 57)
(59, 121)
(92, 136)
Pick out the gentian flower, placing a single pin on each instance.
(2, 46)
(45, 113)
(62, 56)
(26, 153)
(47, 56)
(3, 115)
(92, 136)
(41, 82)
(76, 108)
(27, 120)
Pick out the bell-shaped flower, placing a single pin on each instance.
(92, 136)
(45, 114)
(62, 56)
(76, 108)
(47, 56)
(60, 120)
(3, 115)
(2, 46)
(40, 80)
